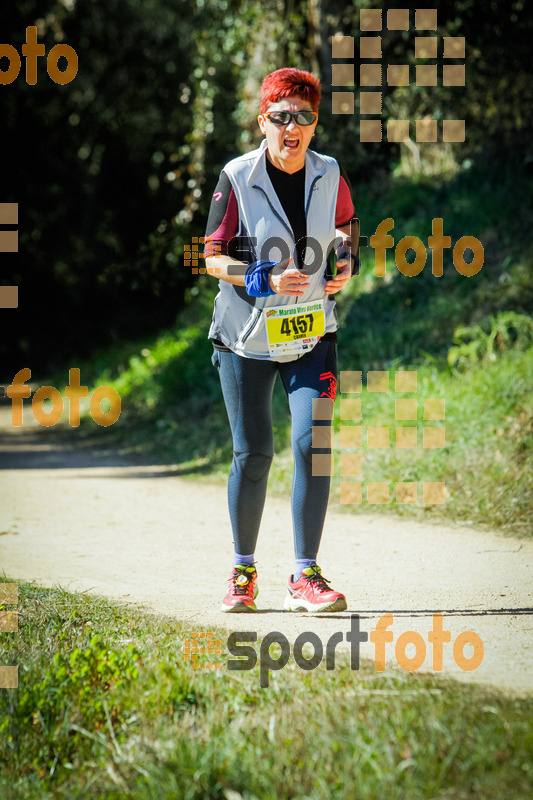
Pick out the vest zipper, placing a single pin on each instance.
(255, 317)
(311, 194)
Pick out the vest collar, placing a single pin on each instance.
(315, 168)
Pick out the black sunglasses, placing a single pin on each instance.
(284, 117)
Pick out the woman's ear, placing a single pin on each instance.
(261, 123)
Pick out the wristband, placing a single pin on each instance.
(256, 279)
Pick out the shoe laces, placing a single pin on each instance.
(317, 579)
(240, 586)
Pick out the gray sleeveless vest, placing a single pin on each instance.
(265, 233)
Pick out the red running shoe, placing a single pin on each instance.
(242, 590)
(312, 593)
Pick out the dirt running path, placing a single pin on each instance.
(90, 520)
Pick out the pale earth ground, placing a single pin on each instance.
(91, 520)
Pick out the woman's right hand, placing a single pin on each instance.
(288, 280)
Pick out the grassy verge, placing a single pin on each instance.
(107, 707)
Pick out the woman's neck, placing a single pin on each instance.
(284, 168)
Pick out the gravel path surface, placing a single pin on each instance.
(87, 519)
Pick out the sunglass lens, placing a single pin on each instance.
(279, 117)
(305, 117)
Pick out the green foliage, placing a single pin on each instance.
(66, 702)
(399, 319)
(474, 343)
(73, 693)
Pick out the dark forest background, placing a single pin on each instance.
(113, 173)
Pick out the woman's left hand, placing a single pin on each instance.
(344, 273)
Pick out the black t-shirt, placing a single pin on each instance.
(290, 190)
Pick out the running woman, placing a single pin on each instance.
(275, 214)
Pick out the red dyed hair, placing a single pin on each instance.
(290, 82)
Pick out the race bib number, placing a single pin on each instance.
(294, 329)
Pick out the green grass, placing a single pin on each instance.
(107, 707)
(487, 459)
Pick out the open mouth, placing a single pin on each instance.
(291, 144)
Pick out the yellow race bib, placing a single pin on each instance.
(295, 328)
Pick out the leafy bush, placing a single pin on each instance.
(506, 331)
(76, 693)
